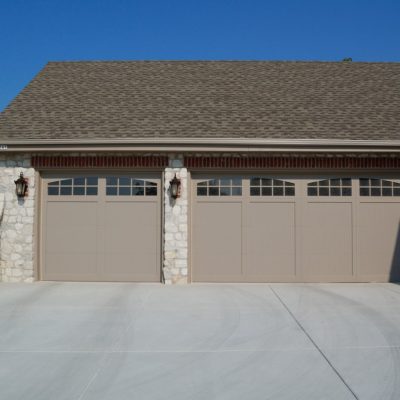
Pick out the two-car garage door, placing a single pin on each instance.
(101, 227)
(306, 229)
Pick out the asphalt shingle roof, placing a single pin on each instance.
(207, 99)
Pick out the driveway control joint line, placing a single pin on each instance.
(313, 342)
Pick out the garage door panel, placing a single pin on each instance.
(126, 265)
(65, 213)
(131, 227)
(379, 240)
(327, 240)
(71, 266)
(270, 239)
(217, 232)
(75, 239)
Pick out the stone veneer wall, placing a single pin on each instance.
(175, 257)
(16, 220)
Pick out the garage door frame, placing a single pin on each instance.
(39, 227)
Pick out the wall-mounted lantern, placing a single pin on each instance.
(175, 187)
(21, 186)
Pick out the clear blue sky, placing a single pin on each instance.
(33, 32)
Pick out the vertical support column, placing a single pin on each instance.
(175, 259)
(16, 221)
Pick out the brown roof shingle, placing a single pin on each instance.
(207, 99)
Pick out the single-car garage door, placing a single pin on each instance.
(101, 227)
(288, 228)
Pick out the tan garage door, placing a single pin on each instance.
(101, 228)
(295, 229)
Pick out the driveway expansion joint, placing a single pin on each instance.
(298, 323)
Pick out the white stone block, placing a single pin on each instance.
(28, 203)
(15, 256)
(181, 263)
(9, 196)
(178, 236)
(169, 255)
(11, 234)
(181, 244)
(170, 245)
(183, 219)
(30, 173)
(169, 236)
(170, 228)
(183, 227)
(176, 210)
(182, 253)
(16, 273)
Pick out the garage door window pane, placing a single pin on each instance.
(111, 181)
(79, 191)
(220, 187)
(379, 187)
(237, 182)
(324, 191)
(312, 191)
(125, 181)
(213, 191)
(124, 191)
(271, 187)
(335, 191)
(225, 191)
(236, 191)
(267, 191)
(151, 191)
(66, 191)
(111, 191)
(91, 191)
(201, 191)
(330, 187)
(346, 191)
(66, 182)
(79, 181)
(138, 191)
(53, 191)
(289, 191)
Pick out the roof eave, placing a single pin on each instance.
(200, 144)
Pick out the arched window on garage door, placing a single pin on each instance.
(220, 187)
(379, 187)
(330, 187)
(271, 187)
(79, 186)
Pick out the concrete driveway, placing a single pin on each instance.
(141, 341)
